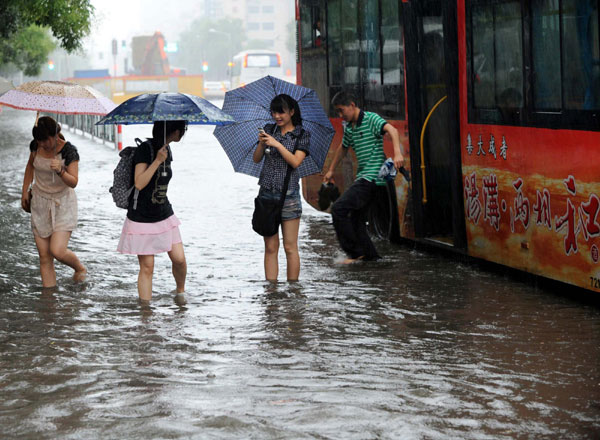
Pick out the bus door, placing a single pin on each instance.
(433, 120)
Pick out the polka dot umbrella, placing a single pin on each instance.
(57, 97)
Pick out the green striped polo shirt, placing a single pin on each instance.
(366, 138)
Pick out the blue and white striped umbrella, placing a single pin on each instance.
(250, 107)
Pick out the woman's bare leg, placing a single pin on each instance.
(46, 261)
(271, 252)
(290, 245)
(177, 257)
(58, 248)
(145, 277)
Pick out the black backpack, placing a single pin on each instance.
(123, 176)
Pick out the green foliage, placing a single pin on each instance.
(10, 17)
(69, 20)
(213, 41)
(23, 23)
(28, 49)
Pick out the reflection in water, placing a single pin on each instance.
(285, 307)
(413, 346)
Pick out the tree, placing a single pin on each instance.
(28, 49)
(215, 42)
(25, 26)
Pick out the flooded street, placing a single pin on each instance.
(416, 346)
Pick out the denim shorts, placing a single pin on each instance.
(292, 206)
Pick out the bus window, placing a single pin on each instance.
(371, 54)
(382, 57)
(547, 90)
(580, 54)
(563, 89)
(365, 53)
(335, 53)
(392, 45)
(483, 64)
(312, 27)
(498, 56)
(371, 48)
(344, 55)
(350, 42)
(575, 86)
(306, 36)
(313, 19)
(391, 34)
(509, 55)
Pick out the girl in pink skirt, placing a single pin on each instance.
(151, 227)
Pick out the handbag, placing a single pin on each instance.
(267, 216)
(267, 213)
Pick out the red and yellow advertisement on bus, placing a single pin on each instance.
(531, 200)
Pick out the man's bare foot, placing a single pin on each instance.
(352, 260)
(80, 275)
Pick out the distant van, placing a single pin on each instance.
(251, 65)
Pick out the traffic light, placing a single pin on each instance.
(205, 66)
(50, 65)
(114, 46)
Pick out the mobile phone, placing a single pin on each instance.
(261, 130)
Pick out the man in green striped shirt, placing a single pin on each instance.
(364, 134)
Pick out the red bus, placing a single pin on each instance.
(498, 103)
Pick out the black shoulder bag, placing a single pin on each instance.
(267, 213)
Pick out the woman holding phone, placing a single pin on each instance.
(283, 144)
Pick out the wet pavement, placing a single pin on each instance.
(416, 346)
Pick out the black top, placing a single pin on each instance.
(275, 167)
(68, 153)
(152, 202)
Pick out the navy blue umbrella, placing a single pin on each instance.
(250, 106)
(151, 107)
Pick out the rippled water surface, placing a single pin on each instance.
(416, 346)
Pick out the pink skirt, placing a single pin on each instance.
(149, 238)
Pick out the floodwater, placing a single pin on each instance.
(416, 346)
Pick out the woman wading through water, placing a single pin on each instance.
(151, 226)
(53, 167)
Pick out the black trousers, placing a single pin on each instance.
(349, 214)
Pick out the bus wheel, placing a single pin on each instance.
(383, 214)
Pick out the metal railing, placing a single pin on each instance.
(87, 125)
